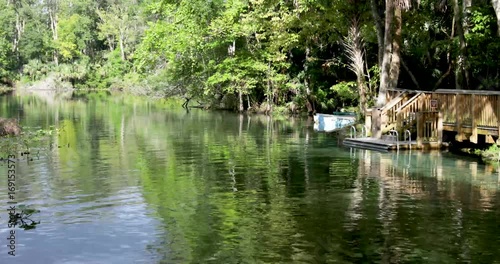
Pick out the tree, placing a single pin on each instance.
(6, 46)
(53, 11)
(392, 47)
(354, 47)
(462, 70)
(120, 24)
(496, 6)
(70, 43)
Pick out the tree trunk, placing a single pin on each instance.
(20, 24)
(53, 27)
(396, 49)
(385, 78)
(122, 48)
(443, 77)
(362, 94)
(186, 103)
(17, 37)
(496, 6)
(110, 43)
(309, 102)
(413, 79)
(448, 58)
(306, 83)
(466, 5)
(380, 30)
(462, 69)
(269, 107)
(240, 97)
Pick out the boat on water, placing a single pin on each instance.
(332, 122)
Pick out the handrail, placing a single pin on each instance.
(407, 132)
(415, 97)
(393, 102)
(353, 128)
(388, 112)
(363, 131)
(447, 91)
(394, 132)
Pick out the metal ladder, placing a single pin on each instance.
(394, 133)
(408, 135)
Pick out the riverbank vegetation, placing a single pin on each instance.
(250, 54)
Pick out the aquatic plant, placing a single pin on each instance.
(23, 218)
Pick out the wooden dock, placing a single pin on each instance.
(379, 144)
(425, 116)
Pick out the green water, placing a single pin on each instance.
(132, 182)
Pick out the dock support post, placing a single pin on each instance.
(420, 129)
(368, 121)
(498, 119)
(475, 118)
(458, 115)
(440, 128)
(376, 123)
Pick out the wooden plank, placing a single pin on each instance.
(458, 127)
(475, 118)
(451, 98)
(464, 131)
(498, 114)
(440, 128)
(465, 92)
(447, 91)
(486, 106)
(448, 127)
(420, 128)
(489, 139)
(487, 131)
(378, 144)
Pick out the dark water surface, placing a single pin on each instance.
(132, 182)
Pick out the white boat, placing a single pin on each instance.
(329, 123)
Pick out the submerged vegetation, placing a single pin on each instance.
(252, 55)
(9, 126)
(23, 219)
(23, 143)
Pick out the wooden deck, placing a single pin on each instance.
(426, 115)
(379, 144)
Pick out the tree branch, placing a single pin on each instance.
(411, 74)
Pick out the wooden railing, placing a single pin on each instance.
(393, 93)
(469, 113)
(429, 126)
(482, 110)
(388, 112)
(405, 114)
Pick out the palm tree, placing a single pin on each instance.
(354, 48)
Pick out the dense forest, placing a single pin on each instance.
(273, 55)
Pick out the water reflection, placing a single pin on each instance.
(430, 206)
(132, 181)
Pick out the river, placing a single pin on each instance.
(129, 181)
